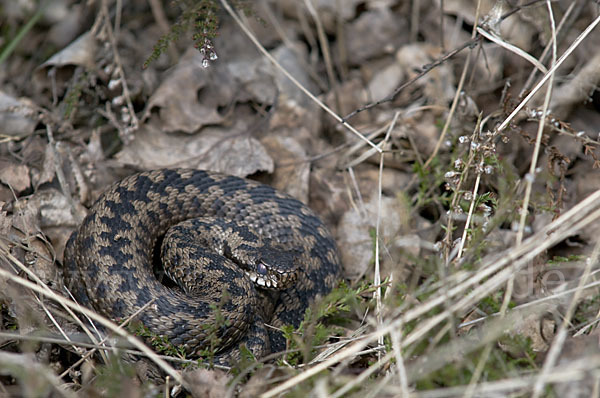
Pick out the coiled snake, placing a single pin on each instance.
(110, 260)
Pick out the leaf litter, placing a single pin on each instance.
(89, 116)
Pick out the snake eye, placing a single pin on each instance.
(261, 269)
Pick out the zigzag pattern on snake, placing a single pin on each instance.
(110, 260)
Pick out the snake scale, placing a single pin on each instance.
(110, 260)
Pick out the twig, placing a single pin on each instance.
(425, 69)
(475, 39)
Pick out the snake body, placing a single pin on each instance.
(110, 260)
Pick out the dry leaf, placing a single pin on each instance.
(354, 237)
(575, 351)
(81, 52)
(529, 327)
(15, 176)
(385, 81)
(257, 383)
(48, 210)
(229, 151)
(178, 100)
(292, 171)
(438, 85)
(375, 33)
(17, 116)
(204, 383)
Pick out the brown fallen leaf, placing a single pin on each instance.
(375, 33)
(14, 175)
(534, 328)
(438, 85)
(204, 383)
(575, 351)
(354, 233)
(50, 211)
(260, 380)
(177, 97)
(81, 52)
(226, 150)
(292, 172)
(17, 116)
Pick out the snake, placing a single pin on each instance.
(202, 258)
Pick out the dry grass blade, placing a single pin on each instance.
(550, 73)
(576, 370)
(561, 335)
(538, 140)
(324, 45)
(548, 47)
(495, 270)
(101, 345)
(512, 48)
(553, 299)
(4, 251)
(98, 318)
(377, 273)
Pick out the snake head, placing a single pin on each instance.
(274, 269)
